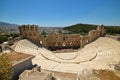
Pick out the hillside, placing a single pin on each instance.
(85, 28)
(8, 27)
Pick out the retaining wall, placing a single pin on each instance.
(22, 65)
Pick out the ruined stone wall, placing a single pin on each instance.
(59, 41)
(84, 41)
(22, 65)
(63, 41)
(30, 32)
(94, 34)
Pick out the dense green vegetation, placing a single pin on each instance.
(80, 28)
(43, 33)
(113, 29)
(4, 38)
(85, 28)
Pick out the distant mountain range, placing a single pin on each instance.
(7, 27)
(76, 28)
(4, 24)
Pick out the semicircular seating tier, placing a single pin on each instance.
(82, 55)
(103, 53)
(25, 46)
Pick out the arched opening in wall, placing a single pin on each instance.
(87, 41)
(30, 34)
(32, 28)
(59, 45)
(63, 38)
(34, 34)
(52, 46)
(25, 28)
(71, 44)
(48, 45)
(36, 28)
(63, 44)
(29, 28)
(76, 45)
(56, 45)
(67, 44)
(26, 34)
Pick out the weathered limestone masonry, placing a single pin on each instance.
(20, 66)
(94, 34)
(63, 41)
(59, 41)
(30, 32)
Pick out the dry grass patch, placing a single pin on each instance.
(16, 56)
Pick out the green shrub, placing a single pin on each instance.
(3, 38)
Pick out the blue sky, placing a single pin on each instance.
(60, 12)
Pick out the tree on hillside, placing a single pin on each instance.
(44, 33)
(6, 70)
(85, 28)
(3, 38)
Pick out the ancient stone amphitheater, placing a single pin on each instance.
(100, 54)
(103, 53)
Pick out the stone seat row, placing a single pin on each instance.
(81, 57)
